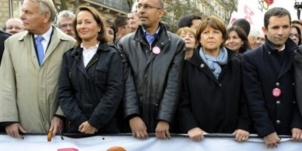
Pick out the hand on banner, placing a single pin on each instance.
(297, 134)
(138, 127)
(271, 140)
(241, 135)
(14, 130)
(162, 130)
(56, 126)
(86, 128)
(196, 134)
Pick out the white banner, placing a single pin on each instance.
(103, 143)
(254, 10)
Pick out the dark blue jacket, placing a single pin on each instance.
(263, 70)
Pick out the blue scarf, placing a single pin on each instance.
(214, 63)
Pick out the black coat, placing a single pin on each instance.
(214, 105)
(93, 93)
(298, 77)
(3, 37)
(263, 70)
(154, 91)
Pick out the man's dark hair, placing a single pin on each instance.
(244, 24)
(186, 20)
(120, 21)
(275, 11)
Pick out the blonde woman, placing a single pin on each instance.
(189, 36)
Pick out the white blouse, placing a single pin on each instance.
(88, 53)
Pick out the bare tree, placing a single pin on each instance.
(130, 3)
(176, 9)
(231, 5)
(60, 6)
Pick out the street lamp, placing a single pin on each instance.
(298, 7)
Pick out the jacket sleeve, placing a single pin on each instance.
(253, 92)
(172, 90)
(66, 95)
(185, 118)
(71, 44)
(298, 77)
(297, 119)
(130, 99)
(244, 121)
(8, 89)
(107, 107)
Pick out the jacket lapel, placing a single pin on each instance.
(77, 54)
(201, 65)
(54, 42)
(225, 68)
(28, 42)
(287, 64)
(160, 41)
(80, 66)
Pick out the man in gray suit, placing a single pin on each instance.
(30, 70)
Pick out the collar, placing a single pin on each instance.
(56, 33)
(289, 46)
(283, 48)
(196, 59)
(102, 46)
(148, 34)
(46, 35)
(162, 35)
(92, 47)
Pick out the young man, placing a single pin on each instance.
(268, 81)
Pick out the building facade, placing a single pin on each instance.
(108, 8)
(219, 8)
(113, 8)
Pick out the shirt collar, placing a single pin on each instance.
(148, 34)
(46, 35)
(282, 48)
(92, 47)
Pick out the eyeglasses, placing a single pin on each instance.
(147, 6)
(66, 25)
(294, 35)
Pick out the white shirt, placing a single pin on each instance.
(46, 39)
(88, 53)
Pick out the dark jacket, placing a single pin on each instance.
(3, 37)
(155, 90)
(93, 93)
(214, 105)
(265, 69)
(298, 77)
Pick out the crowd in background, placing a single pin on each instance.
(93, 75)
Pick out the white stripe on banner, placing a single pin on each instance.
(103, 143)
